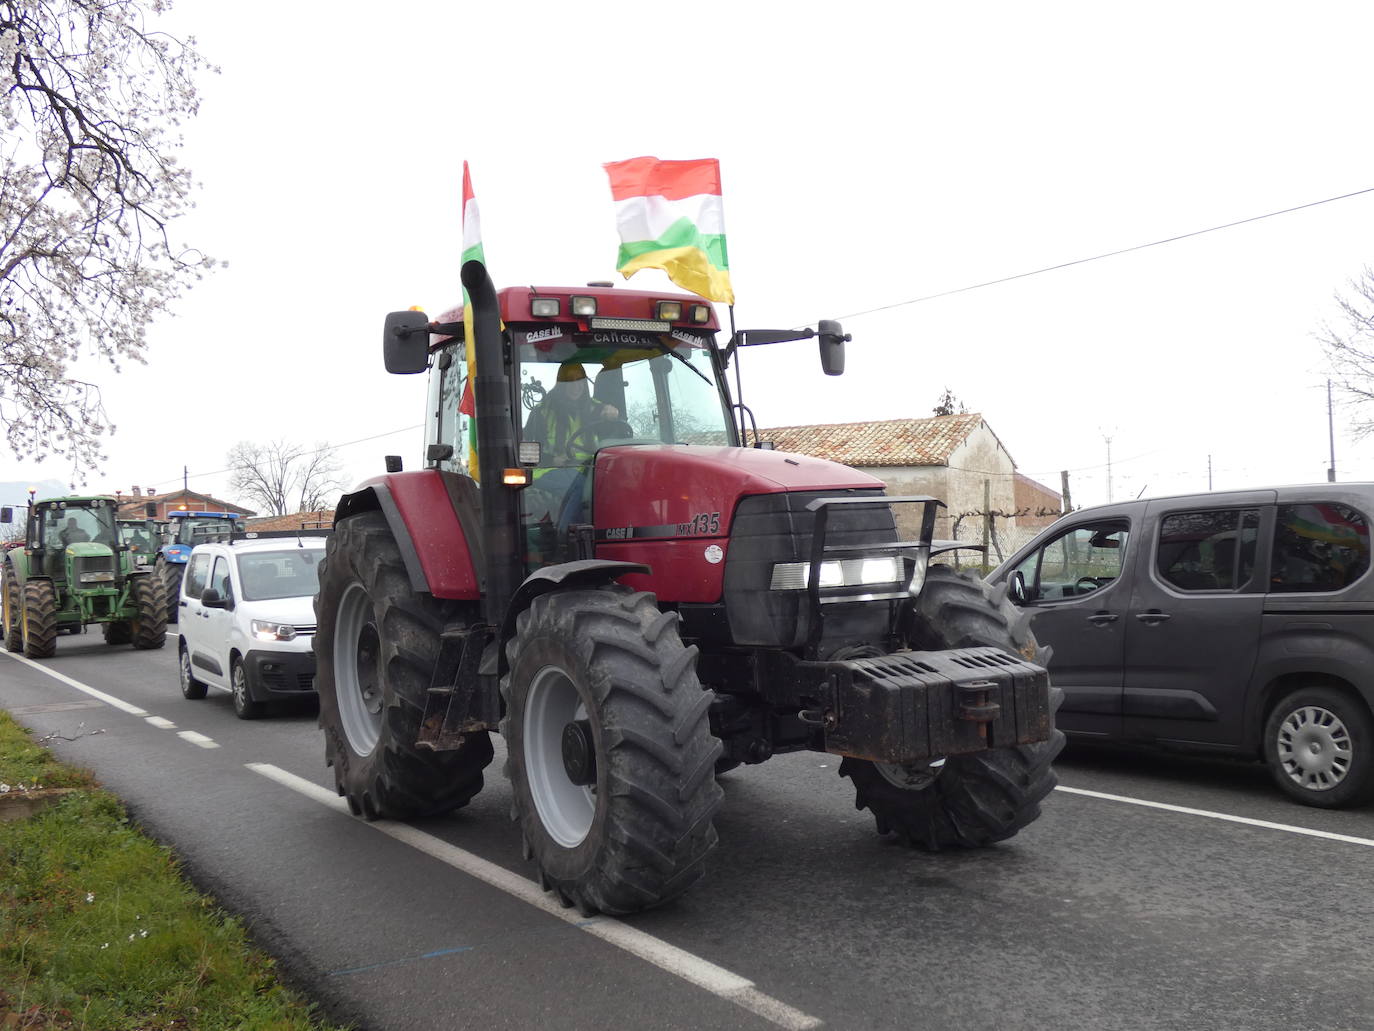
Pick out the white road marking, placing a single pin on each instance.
(1227, 817)
(678, 962)
(197, 739)
(160, 723)
(108, 699)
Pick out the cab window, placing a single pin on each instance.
(1077, 562)
(219, 579)
(1318, 547)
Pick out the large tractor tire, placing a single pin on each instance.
(610, 753)
(170, 573)
(971, 800)
(376, 647)
(148, 628)
(40, 619)
(13, 602)
(117, 633)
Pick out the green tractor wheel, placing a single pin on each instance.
(118, 633)
(13, 607)
(148, 628)
(40, 619)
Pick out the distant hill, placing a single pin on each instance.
(16, 493)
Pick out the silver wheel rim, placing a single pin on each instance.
(565, 809)
(911, 776)
(185, 671)
(1314, 748)
(357, 680)
(240, 688)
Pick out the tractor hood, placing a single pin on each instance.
(689, 491)
(89, 549)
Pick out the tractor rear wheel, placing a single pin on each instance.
(170, 573)
(13, 610)
(117, 633)
(610, 753)
(40, 619)
(376, 647)
(970, 800)
(148, 628)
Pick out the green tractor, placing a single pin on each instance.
(76, 567)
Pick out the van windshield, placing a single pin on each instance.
(293, 573)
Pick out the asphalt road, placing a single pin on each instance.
(1106, 913)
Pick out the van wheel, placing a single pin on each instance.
(1319, 745)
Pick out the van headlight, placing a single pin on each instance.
(792, 576)
(266, 630)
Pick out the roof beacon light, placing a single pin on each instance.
(701, 314)
(583, 306)
(669, 311)
(545, 307)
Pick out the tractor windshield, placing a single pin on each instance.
(193, 531)
(68, 524)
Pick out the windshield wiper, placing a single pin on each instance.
(673, 354)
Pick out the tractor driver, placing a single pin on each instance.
(72, 533)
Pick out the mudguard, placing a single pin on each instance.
(433, 516)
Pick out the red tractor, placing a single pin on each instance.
(637, 602)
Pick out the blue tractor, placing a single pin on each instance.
(184, 531)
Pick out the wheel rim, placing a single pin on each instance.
(1314, 748)
(185, 671)
(357, 669)
(240, 688)
(911, 776)
(565, 809)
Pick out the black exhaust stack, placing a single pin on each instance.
(495, 446)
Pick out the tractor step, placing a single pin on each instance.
(459, 700)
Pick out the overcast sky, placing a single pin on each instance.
(870, 153)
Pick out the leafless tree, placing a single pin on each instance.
(949, 405)
(285, 477)
(91, 100)
(1349, 345)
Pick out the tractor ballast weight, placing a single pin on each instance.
(677, 603)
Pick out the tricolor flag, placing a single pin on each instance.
(670, 217)
(472, 251)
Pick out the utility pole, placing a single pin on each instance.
(987, 522)
(1209, 472)
(1064, 490)
(1109, 467)
(1331, 435)
(185, 478)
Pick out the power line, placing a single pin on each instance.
(1109, 254)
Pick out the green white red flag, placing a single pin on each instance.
(670, 216)
(472, 251)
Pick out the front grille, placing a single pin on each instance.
(305, 629)
(277, 680)
(92, 564)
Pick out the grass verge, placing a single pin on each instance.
(99, 930)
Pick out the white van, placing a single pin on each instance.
(247, 619)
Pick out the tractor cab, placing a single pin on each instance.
(74, 540)
(140, 537)
(191, 528)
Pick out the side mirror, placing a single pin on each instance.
(6, 515)
(211, 599)
(1016, 587)
(405, 342)
(394, 463)
(150, 511)
(832, 339)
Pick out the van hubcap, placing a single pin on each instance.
(1314, 748)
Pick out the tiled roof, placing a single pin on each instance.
(890, 442)
(321, 520)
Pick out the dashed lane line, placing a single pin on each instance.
(1226, 817)
(689, 967)
(197, 739)
(160, 722)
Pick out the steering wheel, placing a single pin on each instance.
(1091, 583)
(601, 428)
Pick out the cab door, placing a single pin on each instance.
(1194, 623)
(217, 622)
(1077, 586)
(194, 625)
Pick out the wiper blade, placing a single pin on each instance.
(673, 354)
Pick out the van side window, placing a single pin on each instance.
(1209, 550)
(1077, 562)
(196, 575)
(1318, 547)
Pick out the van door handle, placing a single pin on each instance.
(1102, 618)
(1152, 617)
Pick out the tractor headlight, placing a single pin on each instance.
(792, 576)
(267, 630)
(99, 577)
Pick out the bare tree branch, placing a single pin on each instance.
(91, 103)
(1349, 346)
(274, 474)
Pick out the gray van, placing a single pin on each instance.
(1238, 622)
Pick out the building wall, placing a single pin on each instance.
(929, 480)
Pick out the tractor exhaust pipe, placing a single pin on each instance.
(495, 446)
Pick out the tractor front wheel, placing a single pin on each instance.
(611, 758)
(117, 633)
(971, 800)
(376, 647)
(170, 573)
(40, 619)
(13, 610)
(148, 628)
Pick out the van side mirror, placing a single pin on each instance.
(832, 340)
(1016, 587)
(212, 599)
(405, 342)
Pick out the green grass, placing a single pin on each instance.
(99, 930)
